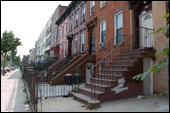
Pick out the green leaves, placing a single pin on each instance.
(162, 65)
(142, 75)
(167, 15)
(160, 95)
(163, 52)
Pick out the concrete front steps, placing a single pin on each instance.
(115, 80)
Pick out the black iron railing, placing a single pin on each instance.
(145, 35)
(45, 64)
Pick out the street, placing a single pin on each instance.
(12, 96)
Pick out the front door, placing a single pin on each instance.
(88, 71)
(146, 29)
(92, 44)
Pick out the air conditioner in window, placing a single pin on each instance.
(102, 45)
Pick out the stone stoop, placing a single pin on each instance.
(115, 80)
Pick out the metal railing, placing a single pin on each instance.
(30, 80)
(129, 43)
(45, 64)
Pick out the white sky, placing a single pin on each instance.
(27, 19)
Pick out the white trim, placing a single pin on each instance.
(82, 36)
(115, 25)
(91, 6)
(102, 4)
(101, 29)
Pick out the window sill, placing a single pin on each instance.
(91, 15)
(82, 22)
(102, 7)
(76, 27)
(102, 48)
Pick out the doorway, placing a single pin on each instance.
(146, 29)
(88, 71)
(92, 44)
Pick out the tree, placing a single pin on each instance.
(8, 43)
(14, 45)
(163, 64)
(17, 61)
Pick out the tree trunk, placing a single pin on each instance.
(4, 65)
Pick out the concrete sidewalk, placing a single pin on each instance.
(12, 96)
(150, 104)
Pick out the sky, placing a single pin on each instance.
(27, 19)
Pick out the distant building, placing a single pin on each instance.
(47, 41)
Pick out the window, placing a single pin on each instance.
(66, 25)
(91, 7)
(82, 41)
(102, 4)
(62, 30)
(102, 33)
(147, 17)
(58, 32)
(76, 19)
(75, 44)
(70, 24)
(65, 47)
(119, 28)
(83, 11)
(61, 50)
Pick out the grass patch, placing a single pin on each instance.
(74, 98)
(91, 106)
(27, 101)
(75, 90)
(24, 90)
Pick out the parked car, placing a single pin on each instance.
(8, 69)
(3, 70)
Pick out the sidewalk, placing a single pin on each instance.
(150, 104)
(12, 96)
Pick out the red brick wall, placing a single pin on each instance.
(107, 12)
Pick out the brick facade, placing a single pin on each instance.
(108, 13)
(160, 40)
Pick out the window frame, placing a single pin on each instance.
(75, 43)
(92, 6)
(102, 4)
(82, 36)
(76, 19)
(102, 30)
(83, 13)
(70, 23)
(115, 27)
(65, 48)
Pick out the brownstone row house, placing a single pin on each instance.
(109, 42)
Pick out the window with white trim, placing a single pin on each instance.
(76, 19)
(65, 47)
(58, 32)
(61, 50)
(92, 7)
(82, 42)
(119, 28)
(70, 24)
(102, 33)
(75, 44)
(66, 25)
(102, 4)
(83, 11)
(62, 30)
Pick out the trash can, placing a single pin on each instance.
(68, 78)
(77, 79)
